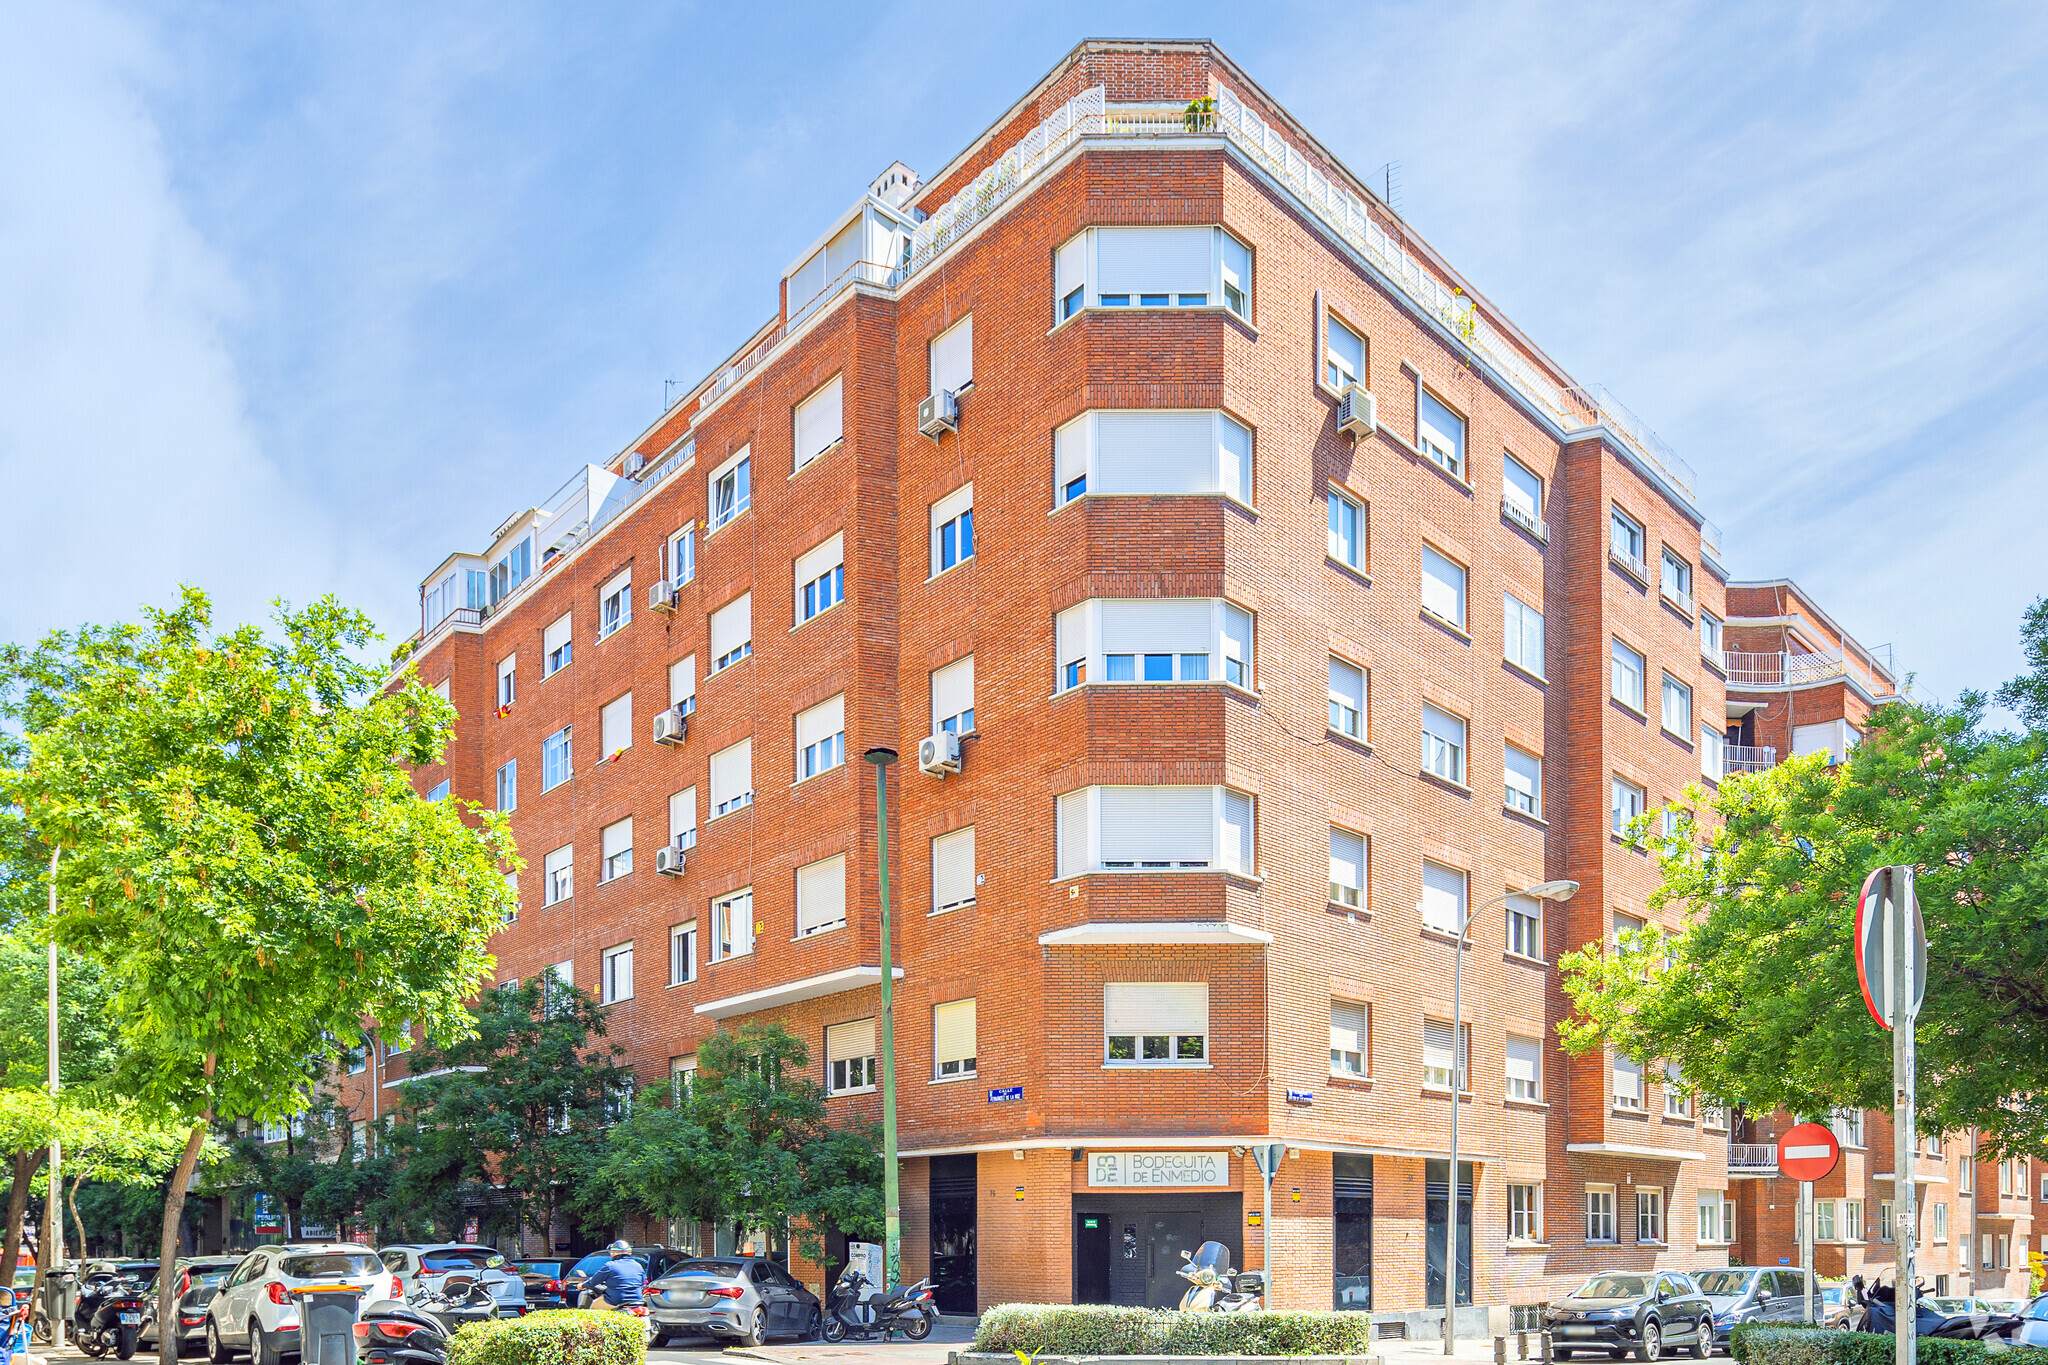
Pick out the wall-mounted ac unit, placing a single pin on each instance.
(671, 726)
(939, 754)
(661, 596)
(1357, 412)
(939, 412)
(670, 859)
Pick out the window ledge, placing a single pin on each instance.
(607, 881)
(808, 619)
(1682, 739)
(966, 563)
(1447, 935)
(1641, 1243)
(807, 464)
(1720, 669)
(606, 635)
(1600, 1241)
(1525, 816)
(1446, 782)
(1628, 568)
(1352, 741)
(950, 909)
(673, 984)
(821, 774)
(1446, 623)
(1512, 1102)
(1626, 1110)
(1091, 494)
(1350, 569)
(727, 815)
(1340, 908)
(1157, 1066)
(1532, 961)
(819, 932)
(710, 530)
(1638, 712)
(1529, 673)
(954, 1080)
(1352, 1082)
(1445, 1091)
(851, 1089)
(1517, 1244)
(730, 957)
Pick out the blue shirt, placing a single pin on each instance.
(619, 1280)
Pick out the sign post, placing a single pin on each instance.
(1891, 966)
(1808, 1152)
(1266, 1155)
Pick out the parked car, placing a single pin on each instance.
(1750, 1294)
(543, 1282)
(1836, 1305)
(420, 1266)
(254, 1310)
(2033, 1328)
(745, 1298)
(199, 1279)
(1639, 1312)
(657, 1259)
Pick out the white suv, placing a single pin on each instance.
(254, 1309)
(426, 1267)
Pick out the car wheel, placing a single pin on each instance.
(1649, 1348)
(261, 1351)
(1703, 1339)
(1562, 1353)
(757, 1328)
(814, 1330)
(216, 1350)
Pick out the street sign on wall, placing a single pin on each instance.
(1877, 921)
(1808, 1151)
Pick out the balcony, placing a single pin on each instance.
(1526, 519)
(1748, 758)
(1808, 670)
(1755, 1159)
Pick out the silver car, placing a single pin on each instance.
(424, 1267)
(744, 1298)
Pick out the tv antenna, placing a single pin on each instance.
(1390, 181)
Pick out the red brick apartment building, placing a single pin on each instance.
(1237, 551)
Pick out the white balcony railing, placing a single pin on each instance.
(1678, 597)
(1748, 758)
(1527, 520)
(1753, 1158)
(1629, 563)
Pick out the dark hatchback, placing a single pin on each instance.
(1644, 1313)
(543, 1282)
(199, 1279)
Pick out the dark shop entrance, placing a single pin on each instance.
(1127, 1246)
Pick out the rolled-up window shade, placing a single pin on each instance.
(682, 680)
(1347, 685)
(732, 625)
(953, 869)
(555, 636)
(682, 813)
(1070, 633)
(1237, 637)
(1347, 858)
(1166, 260)
(1170, 825)
(1234, 844)
(953, 1031)
(732, 772)
(813, 563)
(1155, 1007)
(1069, 455)
(1443, 898)
(818, 422)
(1073, 833)
(1155, 452)
(846, 1041)
(1070, 267)
(822, 721)
(1153, 625)
(1234, 460)
(1525, 1059)
(952, 357)
(1347, 1026)
(821, 895)
(952, 690)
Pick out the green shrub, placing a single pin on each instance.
(565, 1337)
(1797, 1343)
(1738, 1339)
(1101, 1329)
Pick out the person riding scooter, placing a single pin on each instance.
(620, 1283)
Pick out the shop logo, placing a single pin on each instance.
(1159, 1170)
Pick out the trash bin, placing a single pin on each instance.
(60, 1296)
(327, 1320)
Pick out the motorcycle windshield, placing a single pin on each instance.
(1211, 1256)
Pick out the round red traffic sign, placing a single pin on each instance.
(1808, 1151)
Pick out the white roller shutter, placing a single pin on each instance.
(682, 680)
(1347, 859)
(615, 839)
(814, 563)
(818, 422)
(843, 1042)
(1234, 460)
(555, 636)
(732, 773)
(1441, 427)
(1347, 1027)
(952, 357)
(952, 690)
(1070, 454)
(1436, 1048)
(1070, 638)
(1163, 260)
(1153, 625)
(1237, 273)
(1158, 825)
(953, 1032)
(821, 895)
(1070, 268)
(953, 869)
(615, 724)
(1155, 452)
(1628, 1080)
(1443, 898)
(822, 721)
(732, 625)
(952, 505)
(1237, 643)
(682, 814)
(1155, 1007)
(1347, 685)
(1525, 1062)
(843, 252)
(1073, 833)
(1236, 840)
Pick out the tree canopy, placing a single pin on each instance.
(1756, 998)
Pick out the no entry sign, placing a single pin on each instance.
(1886, 908)
(1808, 1151)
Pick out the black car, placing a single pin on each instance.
(655, 1259)
(1623, 1311)
(199, 1279)
(543, 1282)
(1746, 1294)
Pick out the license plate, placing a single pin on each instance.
(127, 1318)
(1578, 1331)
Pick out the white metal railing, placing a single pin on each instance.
(1752, 1156)
(1717, 657)
(1078, 117)
(1527, 520)
(1629, 562)
(1748, 758)
(1677, 597)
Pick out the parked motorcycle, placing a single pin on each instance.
(108, 1316)
(849, 1312)
(416, 1331)
(1213, 1287)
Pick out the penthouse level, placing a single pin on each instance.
(1245, 551)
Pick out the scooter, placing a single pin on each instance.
(910, 1310)
(1878, 1312)
(638, 1310)
(108, 1317)
(1213, 1287)
(416, 1331)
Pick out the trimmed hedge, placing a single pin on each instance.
(1104, 1330)
(1801, 1344)
(569, 1336)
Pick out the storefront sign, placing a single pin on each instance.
(1005, 1094)
(1159, 1170)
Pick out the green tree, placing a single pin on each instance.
(515, 1119)
(117, 1144)
(244, 856)
(1760, 1002)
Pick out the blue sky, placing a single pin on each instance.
(299, 298)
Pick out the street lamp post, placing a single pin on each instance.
(53, 1219)
(892, 1202)
(1549, 891)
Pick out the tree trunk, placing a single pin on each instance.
(76, 1181)
(26, 1164)
(174, 1210)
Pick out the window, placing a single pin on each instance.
(554, 981)
(1848, 1126)
(1835, 738)
(1852, 1220)
(1349, 1023)
(1677, 707)
(1152, 451)
(615, 604)
(682, 953)
(1153, 640)
(1625, 925)
(732, 632)
(1824, 1220)
(512, 568)
(1523, 781)
(732, 925)
(1347, 531)
(953, 529)
(1443, 744)
(616, 974)
(1443, 898)
(616, 845)
(555, 759)
(1148, 829)
(1627, 805)
(615, 726)
(1677, 1104)
(682, 1074)
(1347, 868)
(1525, 926)
(556, 646)
(1713, 1114)
(953, 1040)
(1710, 636)
(820, 579)
(508, 680)
(1343, 354)
(1675, 581)
(821, 738)
(1155, 1023)
(1884, 1221)
(1600, 1213)
(850, 1057)
(732, 778)
(681, 554)
(1713, 753)
(1439, 432)
(953, 697)
(1940, 1217)
(1152, 267)
(1347, 698)
(1626, 683)
(558, 875)
(953, 870)
(1625, 539)
(821, 896)
(1522, 635)
(1966, 1175)
(818, 422)
(512, 895)
(1524, 1068)
(1525, 1213)
(439, 791)
(731, 489)
(1628, 1083)
(1520, 490)
(1649, 1215)
(1716, 1217)
(1443, 588)
(1436, 1056)
(950, 357)
(682, 819)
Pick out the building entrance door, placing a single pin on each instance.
(1127, 1246)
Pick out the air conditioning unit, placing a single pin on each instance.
(1357, 412)
(669, 859)
(635, 462)
(939, 754)
(671, 726)
(661, 596)
(937, 413)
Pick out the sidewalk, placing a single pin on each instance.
(933, 1350)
